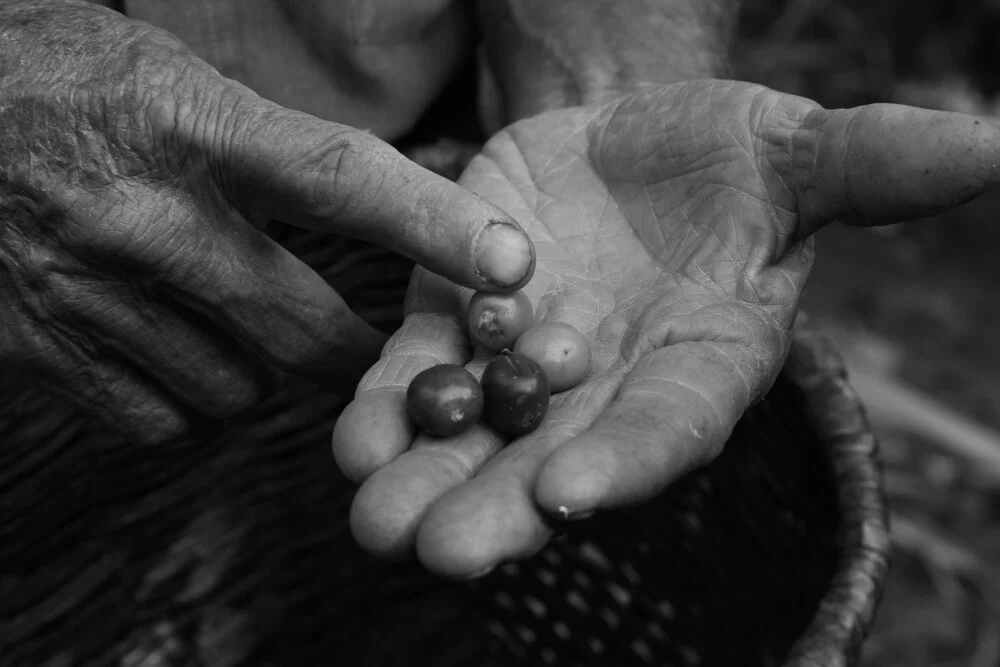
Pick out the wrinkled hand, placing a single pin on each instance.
(673, 229)
(134, 183)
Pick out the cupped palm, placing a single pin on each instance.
(673, 228)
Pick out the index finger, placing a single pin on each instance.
(335, 178)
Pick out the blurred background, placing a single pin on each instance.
(915, 309)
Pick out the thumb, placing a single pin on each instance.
(330, 177)
(886, 163)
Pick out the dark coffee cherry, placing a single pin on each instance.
(515, 392)
(444, 400)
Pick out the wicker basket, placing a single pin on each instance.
(234, 549)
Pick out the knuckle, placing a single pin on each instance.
(785, 129)
(339, 172)
(173, 102)
(158, 424)
(346, 173)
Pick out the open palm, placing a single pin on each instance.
(673, 229)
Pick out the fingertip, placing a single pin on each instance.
(371, 432)
(504, 255)
(172, 428)
(391, 504)
(156, 422)
(471, 530)
(381, 525)
(574, 481)
(453, 557)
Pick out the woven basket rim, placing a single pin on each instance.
(836, 633)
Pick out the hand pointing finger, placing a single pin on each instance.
(331, 177)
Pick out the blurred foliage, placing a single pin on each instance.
(849, 52)
(927, 289)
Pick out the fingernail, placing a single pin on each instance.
(503, 254)
(568, 515)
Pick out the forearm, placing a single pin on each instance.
(548, 54)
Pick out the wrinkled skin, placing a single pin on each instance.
(673, 229)
(134, 183)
